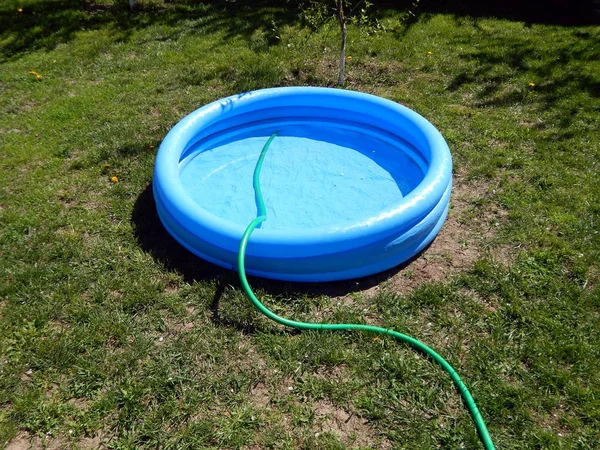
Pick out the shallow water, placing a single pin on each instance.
(312, 176)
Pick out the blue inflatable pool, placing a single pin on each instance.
(354, 184)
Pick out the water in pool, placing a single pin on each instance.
(307, 181)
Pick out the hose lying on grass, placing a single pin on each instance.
(262, 216)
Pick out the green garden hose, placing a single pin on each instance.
(262, 216)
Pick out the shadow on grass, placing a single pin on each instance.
(43, 24)
(549, 12)
(154, 239)
(555, 73)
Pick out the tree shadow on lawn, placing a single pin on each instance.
(154, 239)
(554, 74)
(555, 70)
(548, 12)
(47, 23)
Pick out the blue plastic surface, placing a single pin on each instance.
(354, 184)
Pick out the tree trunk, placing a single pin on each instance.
(342, 21)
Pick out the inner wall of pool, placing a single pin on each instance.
(312, 176)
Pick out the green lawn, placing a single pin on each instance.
(112, 335)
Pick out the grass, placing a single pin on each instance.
(112, 335)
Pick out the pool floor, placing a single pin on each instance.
(306, 181)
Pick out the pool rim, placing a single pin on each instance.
(410, 208)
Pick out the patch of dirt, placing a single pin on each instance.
(26, 376)
(471, 222)
(71, 198)
(25, 441)
(260, 395)
(181, 324)
(339, 372)
(57, 444)
(538, 123)
(504, 255)
(353, 430)
(370, 75)
(171, 288)
(176, 328)
(366, 74)
(93, 205)
(155, 112)
(90, 443)
(20, 442)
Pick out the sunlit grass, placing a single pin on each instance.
(111, 333)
